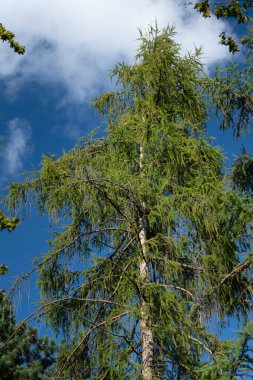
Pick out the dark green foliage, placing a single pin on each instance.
(239, 10)
(7, 223)
(23, 355)
(6, 35)
(231, 88)
(3, 269)
(237, 360)
(231, 92)
(198, 246)
(242, 174)
(229, 41)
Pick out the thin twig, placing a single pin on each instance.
(115, 318)
(201, 344)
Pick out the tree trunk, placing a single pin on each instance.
(146, 332)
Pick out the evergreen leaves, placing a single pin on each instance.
(26, 356)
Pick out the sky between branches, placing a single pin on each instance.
(45, 94)
(71, 45)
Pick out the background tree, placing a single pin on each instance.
(5, 222)
(9, 224)
(25, 356)
(153, 242)
(237, 10)
(238, 361)
(231, 89)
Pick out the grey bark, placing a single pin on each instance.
(146, 332)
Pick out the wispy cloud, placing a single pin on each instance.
(74, 43)
(16, 148)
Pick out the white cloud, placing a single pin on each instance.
(74, 43)
(16, 147)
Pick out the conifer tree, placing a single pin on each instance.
(239, 11)
(5, 222)
(25, 356)
(152, 241)
(231, 88)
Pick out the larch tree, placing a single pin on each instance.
(152, 242)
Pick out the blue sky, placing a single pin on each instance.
(46, 94)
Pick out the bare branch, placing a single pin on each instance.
(201, 344)
(236, 271)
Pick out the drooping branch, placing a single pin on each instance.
(85, 337)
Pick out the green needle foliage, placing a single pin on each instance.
(242, 174)
(238, 10)
(238, 362)
(150, 232)
(25, 356)
(231, 94)
(7, 223)
(231, 91)
(6, 35)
